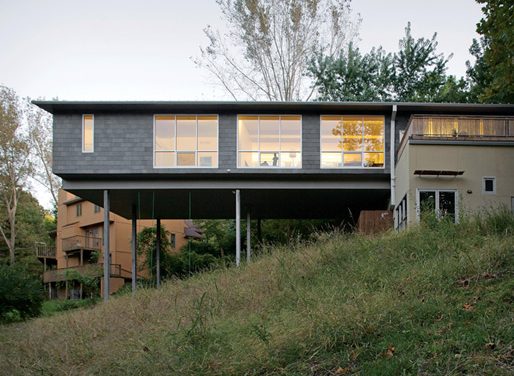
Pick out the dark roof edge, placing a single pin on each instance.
(72, 106)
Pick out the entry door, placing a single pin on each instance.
(443, 202)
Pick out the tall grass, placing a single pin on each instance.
(436, 299)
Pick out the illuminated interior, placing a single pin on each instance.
(269, 141)
(87, 134)
(352, 141)
(186, 141)
(466, 126)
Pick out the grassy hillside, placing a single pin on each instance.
(437, 299)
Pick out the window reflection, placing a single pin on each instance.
(269, 141)
(186, 141)
(352, 141)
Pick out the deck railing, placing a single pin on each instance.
(81, 242)
(88, 270)
(44, 250)
(458, 128)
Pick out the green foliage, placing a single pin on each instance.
(416, 73)
(186, 263)
(21, 294)
(492, 75)
(147, 243)
(51, 307)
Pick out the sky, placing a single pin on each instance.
(143, 50)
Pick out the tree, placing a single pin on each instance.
(353, 76)
(40, 138)
(415, 73)
(14, 164)
(21, 293)
(492, 76)
(419, 71)
(265, 52)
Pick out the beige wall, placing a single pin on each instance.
(476, 162)
(69, 224)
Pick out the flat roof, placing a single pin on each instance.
(226, 106)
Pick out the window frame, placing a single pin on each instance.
(92, 133)
(217, 151)
(361, 153)
(484, 179)
(437, 211)
(402, 214)
(96, 208)
(259, 142)
(78, 210)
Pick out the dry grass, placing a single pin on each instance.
(342, 304)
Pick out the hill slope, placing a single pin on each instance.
(436, 299)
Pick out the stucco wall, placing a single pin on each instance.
(476, 162)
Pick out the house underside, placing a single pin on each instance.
(216, 199)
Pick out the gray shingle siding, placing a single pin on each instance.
(123, 144)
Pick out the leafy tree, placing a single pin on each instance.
(15, 167)
(492, 75)
(147, 245)
(415, 73)
(21, 294)
(266, 50)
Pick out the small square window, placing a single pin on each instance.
(489, 185)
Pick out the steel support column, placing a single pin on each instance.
(238, 227)
(158, 254)
(107, 258)
(248, 240)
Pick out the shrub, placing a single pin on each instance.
(21, 294)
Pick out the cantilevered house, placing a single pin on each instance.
(166, 160)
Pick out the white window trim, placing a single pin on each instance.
(437, 191)
(493, 178)
(341, 153)
(259, 142)
(93, 134)
(188, 151)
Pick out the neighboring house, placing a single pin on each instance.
(78, 247)
(258, 160)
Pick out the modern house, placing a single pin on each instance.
(78, 247)
(170, 160)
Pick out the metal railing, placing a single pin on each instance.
(81, 242)
(88, 270)
(461, 128)
(44, 250)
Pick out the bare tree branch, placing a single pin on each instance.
(266, 50)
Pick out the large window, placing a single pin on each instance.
(88, 133)
(269, 141)
(352, 141)
(182, 141)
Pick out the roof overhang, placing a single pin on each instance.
(270, 107)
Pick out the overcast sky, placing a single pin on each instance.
(141, 50)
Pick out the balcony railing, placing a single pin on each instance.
(88, 270)
(81, 242)
(458, 128)
(45, 250)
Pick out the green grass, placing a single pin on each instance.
(437, 299)
(52, 307)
